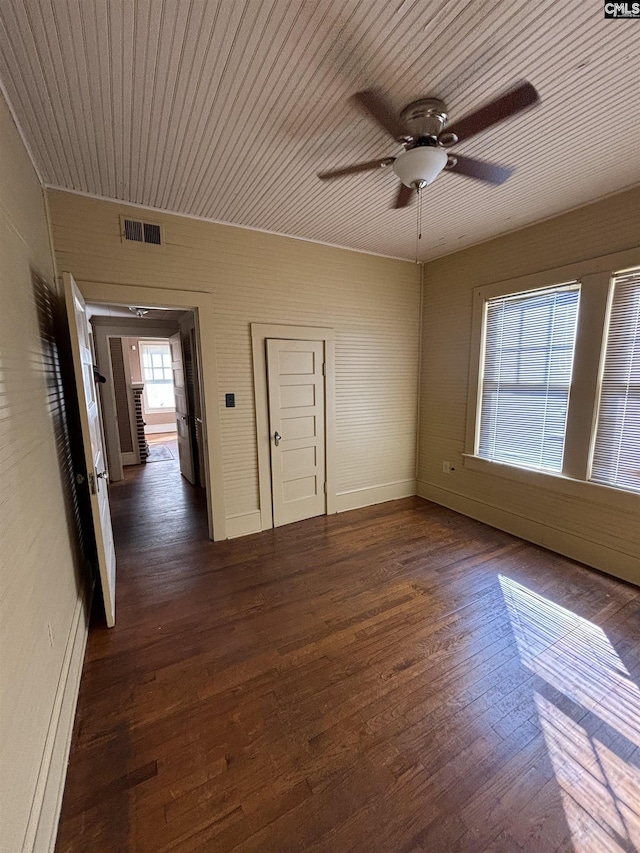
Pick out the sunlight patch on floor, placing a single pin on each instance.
(600, 790)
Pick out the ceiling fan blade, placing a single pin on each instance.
(482, 170)
(517, 99)
(404, 197)
(357, 167)
(377, 107)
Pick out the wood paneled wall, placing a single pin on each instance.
(42, 618)
(371, 302)
(586, 528)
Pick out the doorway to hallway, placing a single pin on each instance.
(151, 402)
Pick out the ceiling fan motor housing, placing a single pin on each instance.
(425, 117)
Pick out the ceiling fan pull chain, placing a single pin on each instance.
(418, 224)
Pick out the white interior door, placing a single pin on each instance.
(198, 430)
(92, 441)
(185, 452)
(295, 372)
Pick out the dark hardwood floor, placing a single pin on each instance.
(390, 680)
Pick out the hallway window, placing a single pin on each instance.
(157, 376)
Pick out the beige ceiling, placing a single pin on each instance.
(226, 109)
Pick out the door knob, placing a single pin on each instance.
(277, 438)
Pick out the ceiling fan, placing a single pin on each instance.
(422, 128)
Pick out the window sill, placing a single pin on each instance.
(593, 492)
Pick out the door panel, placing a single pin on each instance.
(304, 427)
(95, 462)
(293, 396)
(296, 414)
(296, 363)
(185, 453)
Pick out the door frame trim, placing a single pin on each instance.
(202, 305)
(259, 334)
(102, 333)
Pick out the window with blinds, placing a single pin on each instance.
(616, 456)
(529, 342)
(157, 376)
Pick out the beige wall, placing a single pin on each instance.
(371, 302)
(583, 526)
(42, 626)
(135, 369)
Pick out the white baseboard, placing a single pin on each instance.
(357, 498)
(130, 458)
(251, 522)
(151, 428)
(617, 563)
(243, 525)
(42, 828)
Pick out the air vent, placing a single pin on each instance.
(133, 230)
(141, 232)
(152, 233)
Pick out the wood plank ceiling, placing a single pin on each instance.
(226, 109)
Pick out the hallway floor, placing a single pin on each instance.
(391, 680)
(155, 504)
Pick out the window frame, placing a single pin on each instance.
(562, 285)
(631, 389)
(595, 277)
(150, 342)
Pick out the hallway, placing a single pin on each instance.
(154, 504)
(396, 678)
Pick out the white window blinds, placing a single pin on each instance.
(616, 457)
(528, 357)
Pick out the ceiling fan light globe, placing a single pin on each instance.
(422, 164)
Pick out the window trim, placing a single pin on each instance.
(595, 276)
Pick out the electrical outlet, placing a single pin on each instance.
(446, 467)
